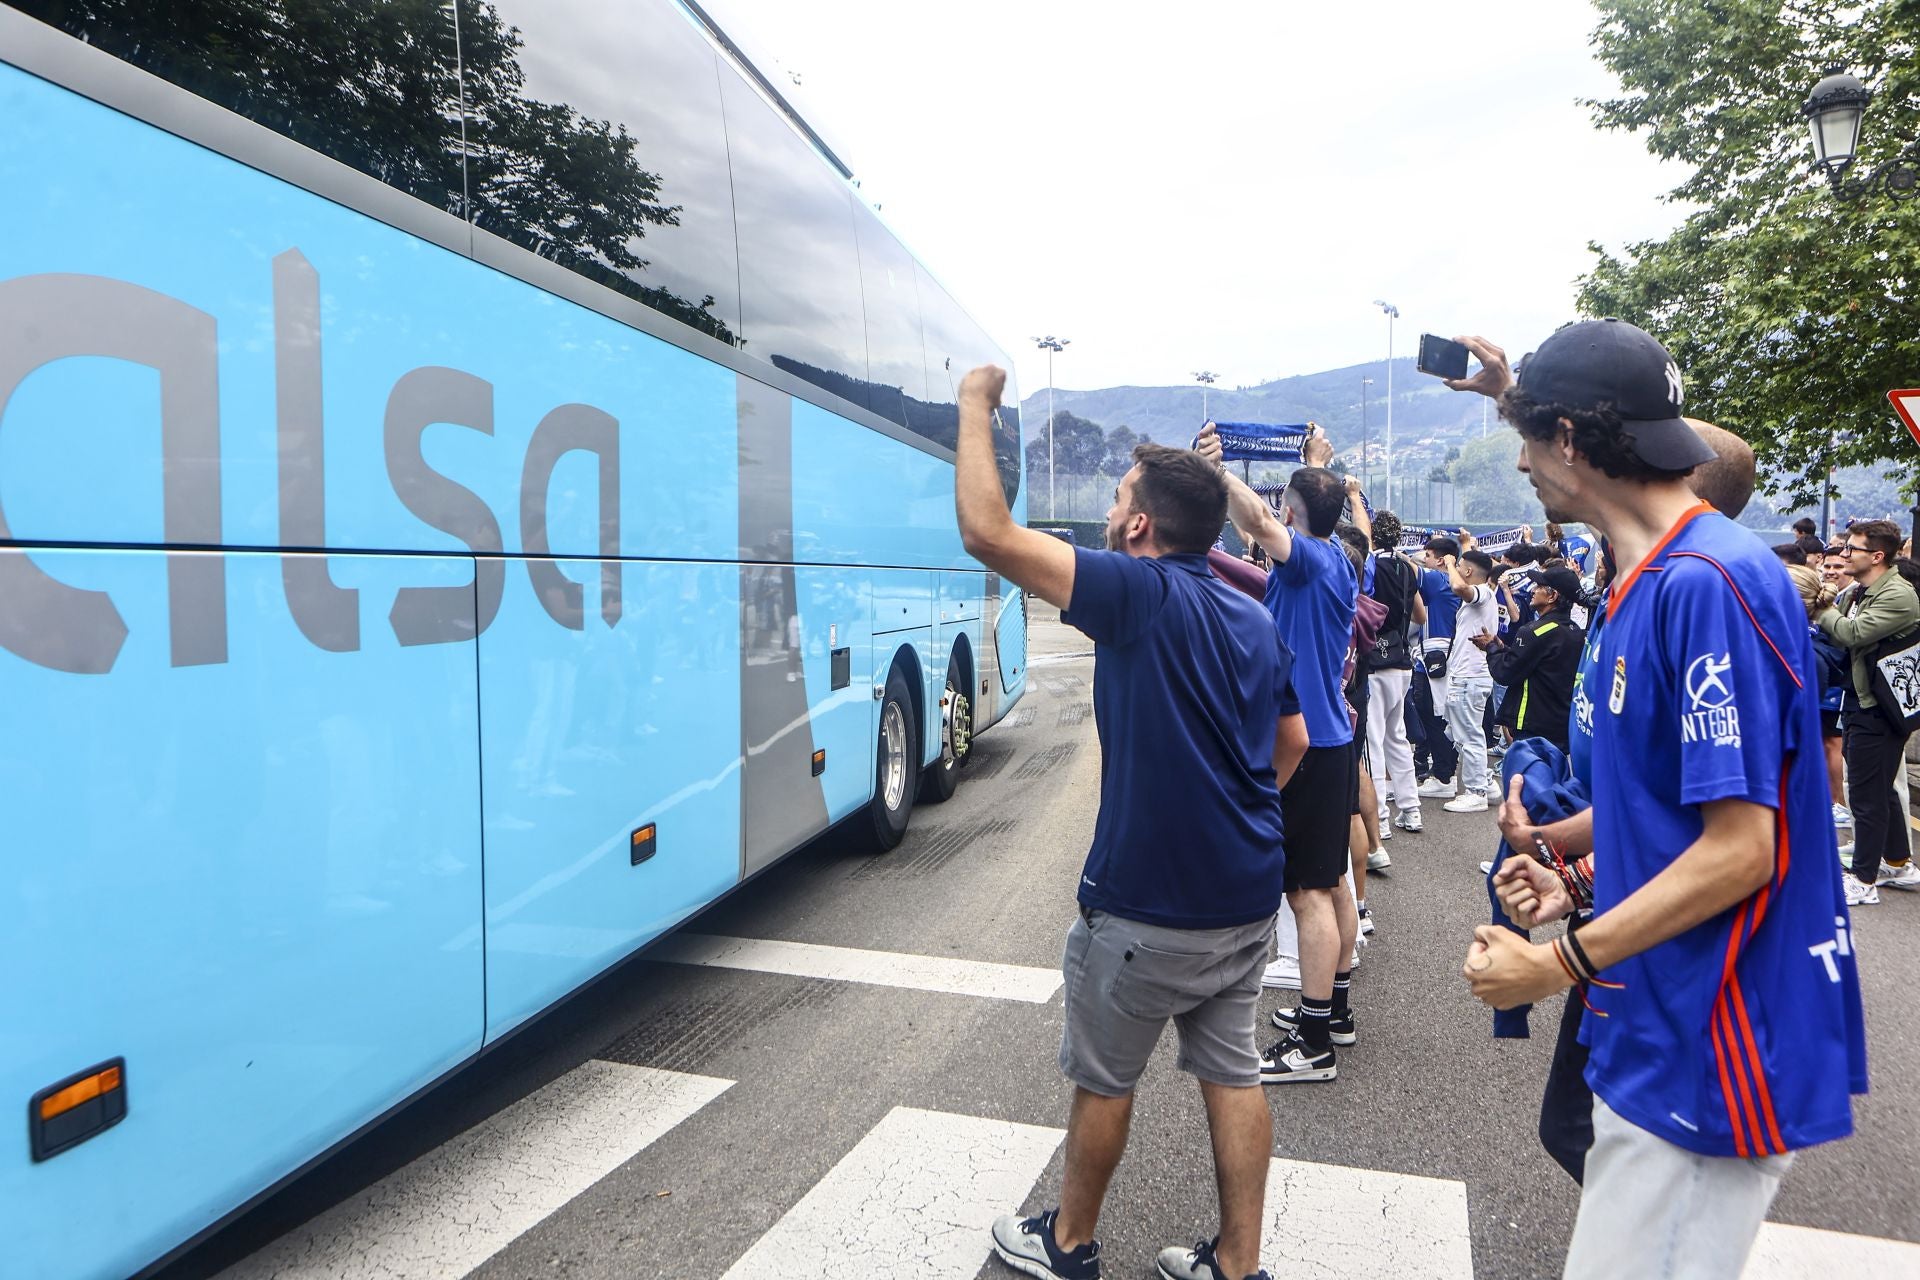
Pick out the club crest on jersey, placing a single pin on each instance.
(1618, 698)
(1711, 715)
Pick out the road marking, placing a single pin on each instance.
(850, 964)
(458, 1205)
(1376, 1224)
(916, 1197)
(1787, 1253)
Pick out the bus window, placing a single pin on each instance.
(595, 138)
(895, 356)
(799, 275)
(372, 86)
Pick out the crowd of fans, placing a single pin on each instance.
(1266, 727)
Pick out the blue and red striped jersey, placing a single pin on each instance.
(1742, 1036)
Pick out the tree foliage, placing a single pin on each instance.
(1791, 313)
(1491, 487)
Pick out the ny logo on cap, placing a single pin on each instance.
(1673, 383)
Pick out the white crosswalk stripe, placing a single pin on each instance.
(453, 1208)
(878, 968)
(1792, 1253)
(1329, 1220)
(915, 1197)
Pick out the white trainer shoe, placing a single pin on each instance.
(1846, 854)
(1408, 820)
(1466, 802)
(1841, 818)
(1282, 975)
(1861, 895)
(1905, 876)
(1437, 787)
(1379, 860)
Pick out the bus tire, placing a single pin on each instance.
(896, 767)
(939, 780)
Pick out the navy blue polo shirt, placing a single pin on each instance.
(1190, 679)
(1312, 594)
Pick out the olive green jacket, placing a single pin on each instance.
(1889, 607)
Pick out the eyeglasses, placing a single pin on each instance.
(1852, 550)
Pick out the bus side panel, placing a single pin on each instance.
(834, 608)
(860, 498)
(257, 880)
(587, 736)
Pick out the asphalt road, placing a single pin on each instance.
(816, 1063)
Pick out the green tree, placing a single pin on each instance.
(1491, 487)
(1120, 442)
(1792, 314)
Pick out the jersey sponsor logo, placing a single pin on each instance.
(1712, 716)
(1618, 698)
(1842, 943)
(1582, 708)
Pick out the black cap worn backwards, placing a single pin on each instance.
(1560, 580)
(1610, 361)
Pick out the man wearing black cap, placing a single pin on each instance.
(1718, 960)
(1538, 666)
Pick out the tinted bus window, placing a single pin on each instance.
(896, 356)
(799, 274)
(955, 344)
(595, 138)
(371, 85)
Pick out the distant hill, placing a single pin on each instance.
(1423, 409)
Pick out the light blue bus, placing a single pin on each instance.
(476, 486)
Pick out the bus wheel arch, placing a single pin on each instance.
(953, 731)
(898, 751)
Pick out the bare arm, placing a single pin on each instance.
(1247, 510)
(1361, 520)
(1731, 861)
(1289, 747)
(1419, 610)
(1039, 562)
(1461, 587)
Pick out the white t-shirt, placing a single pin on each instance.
(1478, 613)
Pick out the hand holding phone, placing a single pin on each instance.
(1441, 357)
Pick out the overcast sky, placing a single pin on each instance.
(1220, 184)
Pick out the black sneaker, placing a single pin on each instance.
(1027, 1244)
(1197, 1263)
(1339, 1027)
(1290, 1060)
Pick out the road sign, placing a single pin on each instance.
(1906, 403)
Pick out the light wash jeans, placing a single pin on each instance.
(1466, 725)
(1654, 1211)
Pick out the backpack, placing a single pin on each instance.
(1394, 584)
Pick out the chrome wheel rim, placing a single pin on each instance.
(959, 726)
(893, 745)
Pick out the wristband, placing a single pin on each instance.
(1580, 954)
(1561, 954)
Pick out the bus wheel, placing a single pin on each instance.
(896, 767)
(942, 778)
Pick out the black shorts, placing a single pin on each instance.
(1830, 724)
(1322, 795)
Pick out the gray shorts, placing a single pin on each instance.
(1124, 980)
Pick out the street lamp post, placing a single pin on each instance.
(1051, 345)
(1366, 474)
(1834, 111)
(1393, 313)
(1206, 378)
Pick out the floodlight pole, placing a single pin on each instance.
(1050, 345)
(1393, 313)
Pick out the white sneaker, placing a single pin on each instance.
(1861, 895)
(1904, 876)
(1386, 831)
(1437, 787)
(1282, 975)
(1846, 854)
(1841, 818)
(1408, 820)
(1366, 923)
(1486, 868)
(1466, 802)
(1379, 860)
(1384, 813)
(1355, 962)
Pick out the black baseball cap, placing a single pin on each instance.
(1612, 362)
(1560, 580)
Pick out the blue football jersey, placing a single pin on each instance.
(1742, 1036)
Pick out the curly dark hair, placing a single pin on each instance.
(1598, 433)
(1386, 531)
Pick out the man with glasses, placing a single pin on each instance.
(1880, 603)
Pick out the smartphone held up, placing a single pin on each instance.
(1441, 357)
